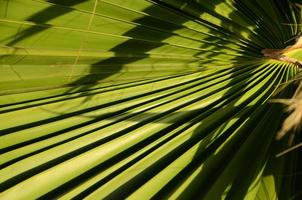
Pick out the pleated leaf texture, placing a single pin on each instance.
(145, 99)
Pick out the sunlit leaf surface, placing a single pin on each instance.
(142, 99)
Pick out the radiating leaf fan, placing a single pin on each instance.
(146, 99)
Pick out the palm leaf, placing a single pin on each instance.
(145, 99)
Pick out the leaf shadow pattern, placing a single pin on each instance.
(215, 172)
(236, 85)
(43, 17)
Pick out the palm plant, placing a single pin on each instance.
(148, 99)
